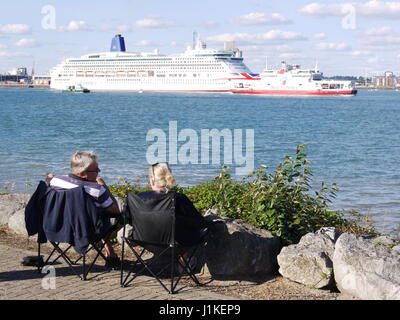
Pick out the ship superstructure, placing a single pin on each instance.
(198, 69)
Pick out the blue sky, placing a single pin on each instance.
(345, 37)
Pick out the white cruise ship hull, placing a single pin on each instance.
(129, 84)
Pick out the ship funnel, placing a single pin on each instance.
(118, 44)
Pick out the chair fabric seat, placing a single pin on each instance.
(154, 229)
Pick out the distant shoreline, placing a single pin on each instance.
(23, 85)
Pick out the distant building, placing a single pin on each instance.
(16, 75)
(41, 80)
(388, 80)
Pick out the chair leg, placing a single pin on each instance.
(66, 259)
(84, 268)
(122, 261)
(172, 291)
(39, 266)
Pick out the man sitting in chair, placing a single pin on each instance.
(187, 233)
(84, 172)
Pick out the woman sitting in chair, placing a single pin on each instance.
(187, 230)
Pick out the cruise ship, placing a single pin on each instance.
(291, 80)
(198, 69)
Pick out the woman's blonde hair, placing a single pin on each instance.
(161, 174)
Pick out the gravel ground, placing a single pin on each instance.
(261, 288)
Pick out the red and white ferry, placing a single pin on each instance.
(291, 80)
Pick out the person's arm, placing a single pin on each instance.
(113, 209)
(189, 213)
(49, 176)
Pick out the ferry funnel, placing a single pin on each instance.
(118, 44)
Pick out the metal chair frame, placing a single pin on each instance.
(63, 254)
(173, 248)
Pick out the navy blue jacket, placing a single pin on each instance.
(66, 216)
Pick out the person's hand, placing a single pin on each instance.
(100, 181)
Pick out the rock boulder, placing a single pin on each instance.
(12, 207)
(310, 261)
(365, 269)
(236, 248)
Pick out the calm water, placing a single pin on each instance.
(352, 141)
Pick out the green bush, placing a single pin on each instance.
(281, 202)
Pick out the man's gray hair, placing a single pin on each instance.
(81, 160)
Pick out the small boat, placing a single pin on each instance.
(76, 89)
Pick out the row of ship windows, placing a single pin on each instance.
(148, 75)
(161, 69)
(147, 63)
(140, 77)
(198, 66)
(180, 60)
(163, 80)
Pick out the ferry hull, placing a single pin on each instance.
(297, 92)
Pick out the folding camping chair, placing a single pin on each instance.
(67, 216)
(153, 222)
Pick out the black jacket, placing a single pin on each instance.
(189, 222)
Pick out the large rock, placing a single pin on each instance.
(17, 222)
(365, 269)
(235, 248)
(10, 204)
(310, 261)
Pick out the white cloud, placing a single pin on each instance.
(332, 46)
(382, 41)
(15, 29)
(319, 10)
(111, 28)
(257, 18)
(148, 43)
(6, 55)
(319, 36)
(289, 55)
(375, 60)
(257, 38)
(76, 26)
(26, 43)
(210, 24)
(285, 48)
(3, 46)
(358, 53)
(383, 38)
(379, 31)
(154, 21)
(370, 9)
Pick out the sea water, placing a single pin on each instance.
(351, 141)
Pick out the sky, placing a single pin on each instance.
(342, 37)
